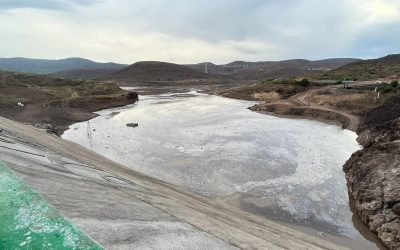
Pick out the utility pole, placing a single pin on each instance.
(89, 134)
(206, 68)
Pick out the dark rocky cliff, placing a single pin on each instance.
(373, 173)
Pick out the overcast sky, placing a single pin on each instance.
(189, 31)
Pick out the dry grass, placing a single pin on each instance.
(356, 103)
(48, 91)
(267, 96)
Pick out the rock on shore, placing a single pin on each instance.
(373, 173)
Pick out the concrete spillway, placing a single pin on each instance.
(30, 222)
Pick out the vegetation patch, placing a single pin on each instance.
(386, 67)
(48, 91)
(389, 87)
(302, 82)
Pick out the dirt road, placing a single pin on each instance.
(304, 99)
(305, 104)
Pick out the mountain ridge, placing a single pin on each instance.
(81, 68)
(384, 67)
(48, 66)
(157, 71)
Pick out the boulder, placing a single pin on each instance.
(133, 125)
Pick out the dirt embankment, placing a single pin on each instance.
(328, 103)
(320, 101)
(54, 103)
(373, 173)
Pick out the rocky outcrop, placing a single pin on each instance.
(381, 124)
(373, 173)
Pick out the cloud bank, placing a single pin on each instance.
(186, 31)
(44, 4)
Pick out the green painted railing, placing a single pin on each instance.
(27, 221)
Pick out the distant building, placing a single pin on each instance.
(320, 69)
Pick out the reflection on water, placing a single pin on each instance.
(281, 168)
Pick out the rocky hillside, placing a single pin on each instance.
(373, 173)
(157, 71)
(85, 73)
(273, 69)
(43, 66)
(80, 68)
(211, 68)
(385, 67)
(40, 99)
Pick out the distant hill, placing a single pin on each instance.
(273, 69)
(238, 70)
(79, 68)
(157, 71)
(211, 68)
(276, 73)
(85, 73)
(385, 67)
(44, 66)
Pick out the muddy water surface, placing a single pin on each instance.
(288, 170)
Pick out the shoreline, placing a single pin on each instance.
(300, 117)
(57, 120)
(234, 200)
(299, 106)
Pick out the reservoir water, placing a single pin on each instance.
(288, 170)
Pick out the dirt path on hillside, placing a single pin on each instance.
(304, 105)
(305, 99)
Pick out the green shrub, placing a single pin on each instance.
(283, 81)
(339, 82)
(386, 88)
(394, 84)
(304, 82)
(100, 88)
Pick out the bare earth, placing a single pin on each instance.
(331, 103)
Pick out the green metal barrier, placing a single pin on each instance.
(27, 221)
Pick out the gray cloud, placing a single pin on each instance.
(194, 30)
(209, 20)
(376, 40)
(291, 23)
(44, 4)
